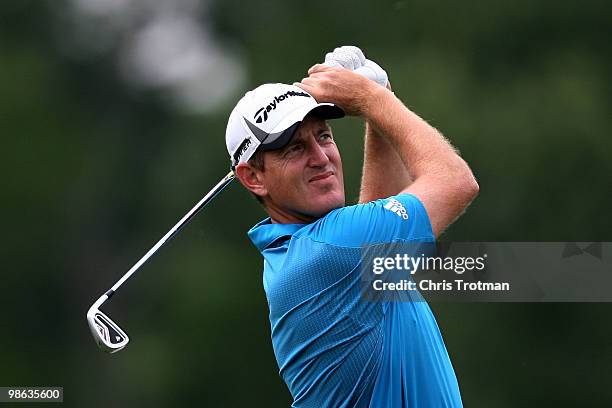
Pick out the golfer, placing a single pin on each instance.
(333, 349)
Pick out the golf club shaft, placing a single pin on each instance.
(173, 231)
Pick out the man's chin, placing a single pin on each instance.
(325, 206)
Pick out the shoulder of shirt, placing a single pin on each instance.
(319, 230)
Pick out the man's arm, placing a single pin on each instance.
(442, 181)
(384, 173)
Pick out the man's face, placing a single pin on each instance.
(304, 179)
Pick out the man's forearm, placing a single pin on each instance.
(384, 173)
(422, 149)
(440, 178)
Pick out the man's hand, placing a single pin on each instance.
(353, 59)
(341, 91)
(354, 93)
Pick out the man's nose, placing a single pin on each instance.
(317, 156)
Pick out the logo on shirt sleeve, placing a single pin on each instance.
(395, 206)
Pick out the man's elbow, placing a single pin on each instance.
(471, 186)
(466, 188)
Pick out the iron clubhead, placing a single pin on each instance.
(109, 337)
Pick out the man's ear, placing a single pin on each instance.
(251, 178)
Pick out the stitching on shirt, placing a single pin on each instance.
(419, 239)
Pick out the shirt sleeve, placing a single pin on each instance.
(398, 218)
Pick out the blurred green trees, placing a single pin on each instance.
(104, 149)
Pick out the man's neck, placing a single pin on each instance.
(278, 216)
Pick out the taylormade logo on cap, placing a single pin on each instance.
(262, 114)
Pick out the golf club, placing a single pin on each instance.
(108, 335)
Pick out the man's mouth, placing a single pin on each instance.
(322, 176)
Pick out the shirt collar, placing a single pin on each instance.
(265, 232)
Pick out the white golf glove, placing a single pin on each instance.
(351, 57)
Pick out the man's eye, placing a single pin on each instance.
(293, 149)
(325, 136)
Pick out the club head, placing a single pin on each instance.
(109, 337)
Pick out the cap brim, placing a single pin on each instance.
(322, 111)
(327, 111)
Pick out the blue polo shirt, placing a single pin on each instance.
(333, 349)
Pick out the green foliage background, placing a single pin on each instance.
(94, 171)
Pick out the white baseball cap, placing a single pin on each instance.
(266, 118)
